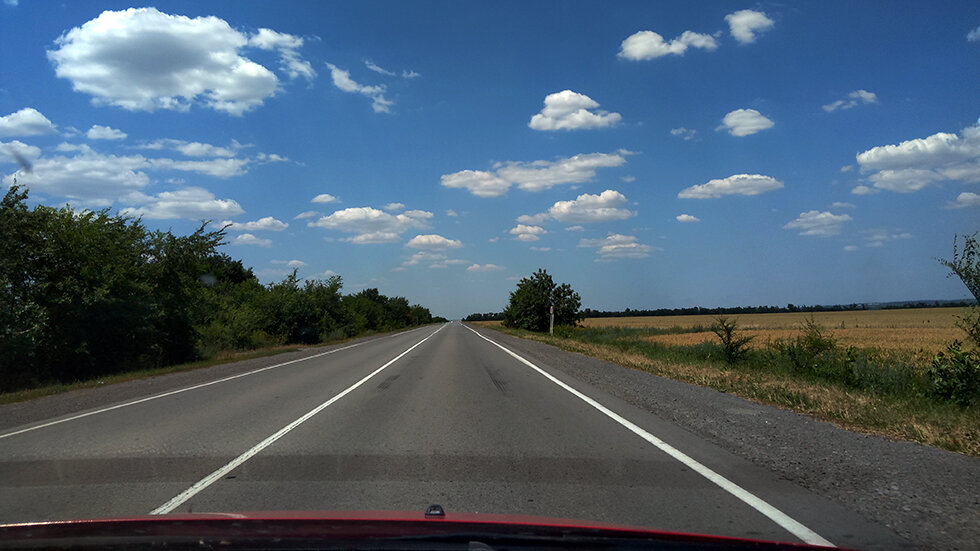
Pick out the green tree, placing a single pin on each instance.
(965, 265)
(530, 303)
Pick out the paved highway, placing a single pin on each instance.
(441, 414)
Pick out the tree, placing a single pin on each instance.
(966, 266)
(530, 302)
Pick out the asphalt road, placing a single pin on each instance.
(439, 414)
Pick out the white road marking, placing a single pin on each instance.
(774, 514)
(220, 473)
(202, 385)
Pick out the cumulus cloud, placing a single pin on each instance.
(683, 133)
(26, 122)
(105, 133)
(193, 203)
(534, 175)
(343, 81)
(645, 45)
(840, 205)
(616, 246)
(18, 152)
(821, 224)
(736, 184)
(524, 232)
(433, 242)
(391, 207)
(324, 198)
(855, 98)
(974, 35)
(306, 214)
(914, 164)
(371, 225)
(288, 46)
(88, 178)
(142, 59)
(262, 224)
(687, 218)
(193, 149)
(568, 110)
(290, 263)
(484, 268)
(864, 190)
(604, 207)
(745, 122)
(963, 200)
(249, 239)
(744, 25)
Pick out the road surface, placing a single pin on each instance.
(440, 414)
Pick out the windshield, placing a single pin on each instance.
(693, 267)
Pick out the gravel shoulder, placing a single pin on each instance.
(928, 496)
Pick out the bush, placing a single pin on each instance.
(955, 375)
(735, 345)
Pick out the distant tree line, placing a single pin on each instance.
(85, 294)
(696, 310)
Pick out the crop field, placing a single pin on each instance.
(922, 330)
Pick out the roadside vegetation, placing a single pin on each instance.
(915, 393)
(88, 294)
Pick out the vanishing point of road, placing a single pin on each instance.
(441, 414)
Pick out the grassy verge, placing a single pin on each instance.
(887, 402)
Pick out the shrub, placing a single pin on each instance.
(734, 344)
(955, 375)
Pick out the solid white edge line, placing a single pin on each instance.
(230, 466)
(774, 514)
(202, 385)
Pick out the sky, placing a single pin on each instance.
(650, 154)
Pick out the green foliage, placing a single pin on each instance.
(966, 263)
(734, 345)
(86, 294)
(530, 303)
(955, 375)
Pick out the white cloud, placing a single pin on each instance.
(219, 168)
(864, 190)
(687, 218)
(914, 164)
(291, 263)
(745, 122)
(141, 59)
(484, 268)
(193, 203)
(390, 207)
(645, 45)
(371, 225)
(19, 152)
(477, 182)
(451, 212)
(262, 224)
(575, 228)
(378, 69)
(736, 184)
(329, 273)
(88, 178)
(105, 133)
(963, 200)
(324, 198)
(433, 242)
(287, 44)
(586, 208)
(448, 262)
(524, 232)
(851, 248)
(840, 205)
(821, 224)
(342, 80)
(26, 122)
(847, 168)
(249, 239)
(684, 133)
(541, 249)
(744, 25)
(534, 219)
(194, 149)
(423, 256)
(616, 246)
(306, 214)
(854, 99)
(878, 237)
(974, 35)
(628, 179)
(568, 110)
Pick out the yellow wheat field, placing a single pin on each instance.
(916, 330)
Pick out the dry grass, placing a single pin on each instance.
(909, 418)
(919, 330)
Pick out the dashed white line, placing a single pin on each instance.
(782, 519)
(178, 391)
(230, 466)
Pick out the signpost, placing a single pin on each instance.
(551, 325)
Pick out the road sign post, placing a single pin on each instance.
(551, 325)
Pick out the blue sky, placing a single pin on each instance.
(649, 154)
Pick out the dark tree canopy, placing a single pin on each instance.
(530, 303)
